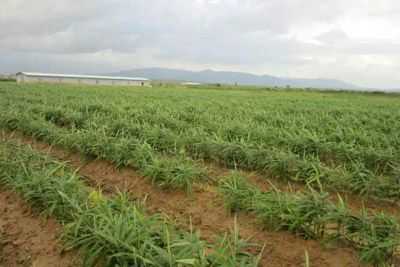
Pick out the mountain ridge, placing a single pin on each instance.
(232, 77)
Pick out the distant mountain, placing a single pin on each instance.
(228, 77)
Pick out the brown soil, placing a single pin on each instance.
(27, 239)
(204, 209)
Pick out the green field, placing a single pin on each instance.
(323, 142)
(342, 141)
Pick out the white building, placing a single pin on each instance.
(190, 83)
(30, 77)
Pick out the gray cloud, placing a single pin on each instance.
(354, 40)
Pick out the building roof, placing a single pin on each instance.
(55, 75)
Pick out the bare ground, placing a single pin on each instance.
(28, 239)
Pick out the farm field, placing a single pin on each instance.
(304, 176)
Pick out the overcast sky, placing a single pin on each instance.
(353, 40)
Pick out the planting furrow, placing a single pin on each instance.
(143, 152)
(162, 131)
(353, 201)
(206, 210)
(29, 239)
(334, 135)
(111, 231)
(168, 172)
(312, 216)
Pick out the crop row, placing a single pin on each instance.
(377, 154)
(339, 129)
(140, 146)
(335, 130)
(311, 215)
(110, 231)
(168, 172)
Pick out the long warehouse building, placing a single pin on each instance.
(32, 77)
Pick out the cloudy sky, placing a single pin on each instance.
(353, 40)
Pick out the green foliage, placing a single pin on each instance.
(335, 141)
(111, 231)
(42, 181)
(174, 173)
(168, 172)
(118, 234)
(59, 118)
(311, 215)
(376, 236)
(341, 141)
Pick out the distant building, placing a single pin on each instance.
(190, 83)
(30, 77)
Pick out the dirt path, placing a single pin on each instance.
(204, 209)
(27, 239)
